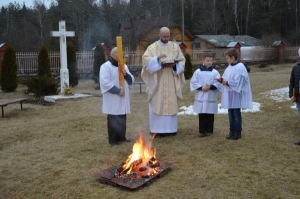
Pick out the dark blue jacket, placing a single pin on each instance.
(295, 81)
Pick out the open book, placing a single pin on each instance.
(168, 61)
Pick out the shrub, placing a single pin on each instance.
(44, 62)
(99, 59)
(71, 59)
(9, 78)
(42, 86)
(188, 69)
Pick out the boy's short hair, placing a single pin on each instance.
(206, 54)
(232, 52)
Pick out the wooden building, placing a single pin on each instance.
(2, 51)
(201, 42)
(137, 36)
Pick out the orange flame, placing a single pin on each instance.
(141, 155)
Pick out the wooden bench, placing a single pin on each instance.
(21, 100)
(140, 83)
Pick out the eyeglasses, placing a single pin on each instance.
(168, 36)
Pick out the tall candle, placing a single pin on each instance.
(120, 62)
(294, 92)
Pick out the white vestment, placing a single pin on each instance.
(238, 94)
(164, 86)
(112, 103)
(205, 102)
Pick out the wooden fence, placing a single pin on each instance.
(28, 61)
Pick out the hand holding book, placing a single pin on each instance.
(171, 61)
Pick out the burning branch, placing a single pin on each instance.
(142, 163)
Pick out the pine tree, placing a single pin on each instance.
(9, 78)
(99, 59)
(44, 84)
(71, 59)
(44, 62)
(188, 69)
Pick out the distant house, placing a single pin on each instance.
(2, 51)
(201, 42)
(141, 33)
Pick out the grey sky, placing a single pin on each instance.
(28, 3)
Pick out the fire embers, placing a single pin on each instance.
(141, 164)
(138, 170)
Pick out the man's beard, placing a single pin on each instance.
(164, 41)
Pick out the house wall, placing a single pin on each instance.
(2, 51)
(152, 36)
(203, 44)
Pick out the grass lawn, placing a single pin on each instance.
(56, 151)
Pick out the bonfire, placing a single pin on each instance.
(140, 168)
(142, 163)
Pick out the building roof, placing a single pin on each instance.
(277, 43)
(2, 44)
(179, 43)
(143, 26)
(224, 40)
(103, 44)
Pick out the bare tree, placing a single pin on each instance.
(38, 19)
(81, 15)
(210, 20)
(235, 13)
(247, 17)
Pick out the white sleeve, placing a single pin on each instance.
(153, 65)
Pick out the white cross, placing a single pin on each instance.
(64, 72)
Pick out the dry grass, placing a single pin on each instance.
(56, 151)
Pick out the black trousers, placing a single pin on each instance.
(116, 126)
(206, 123)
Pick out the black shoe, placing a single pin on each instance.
(114, 143)
(297, 143)
(201, 135)
(236, 135)
(158, 136)
(230, 135)
(208, 133)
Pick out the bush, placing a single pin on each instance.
(42, 86)
(44, 62)
(9, 78)
(72, 67)
(99, 59)
(188, 69)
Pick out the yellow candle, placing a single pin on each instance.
(120, 61)
(294, 93)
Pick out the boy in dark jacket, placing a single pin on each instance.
(294, 87)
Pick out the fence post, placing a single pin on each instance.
(281, 53)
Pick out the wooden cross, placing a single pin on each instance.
(64, 72)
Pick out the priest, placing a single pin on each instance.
(116, 102)
(163, 74)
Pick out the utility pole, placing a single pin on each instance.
(182, 23)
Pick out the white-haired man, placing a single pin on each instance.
(116, 103)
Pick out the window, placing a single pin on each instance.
(197, 45)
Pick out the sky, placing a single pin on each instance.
(279, 95)
(28, 3)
